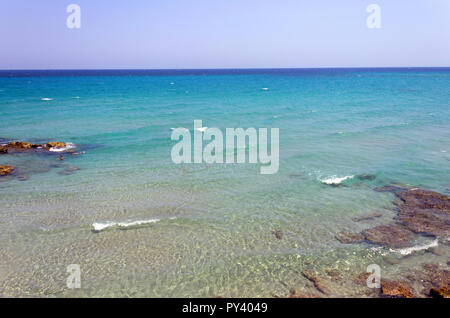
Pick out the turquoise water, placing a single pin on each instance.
(214, 234)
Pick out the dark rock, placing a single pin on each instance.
(278, 234)
(366, 176)
(366, 217)
(443, 292)
(394, 289)
(392, 235)
(3, 150)
(6, 170)
(347, 238)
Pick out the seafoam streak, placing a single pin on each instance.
(97, 226)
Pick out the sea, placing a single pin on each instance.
(136, 224)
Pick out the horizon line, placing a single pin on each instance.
(225, 68)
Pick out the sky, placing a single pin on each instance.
(191, 34)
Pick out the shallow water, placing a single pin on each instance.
(214, 234)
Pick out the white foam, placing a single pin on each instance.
(265, 88)
(409, 250)
(97, 226)
(46, 98)
(335, 179)
(68, 146)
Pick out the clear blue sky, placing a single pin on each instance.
(223, 34)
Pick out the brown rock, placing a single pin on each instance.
(318, 282)
(392, 235)
(347, 238)
(6, 170)
(22, 145)
(435, 280)
(396, 290)
(3, 150)
(366, 217)
(424, 211)
(56, 144)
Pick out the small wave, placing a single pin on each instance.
(265, 88)
(46, 98)
(68, 146)
(97, 227)
(409, 250)
(335, 179)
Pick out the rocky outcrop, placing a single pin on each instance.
(6, 170)
(424, 211)
(347, 238)
(419, 212)
(3, 150)
(392, 289)
(21, 145)
(18, 146)
(436, 281)
(392, 235)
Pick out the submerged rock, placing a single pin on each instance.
(436, 281)
(6, 170)
(424, 211)
(392, 235)
(278, 234)
(23, 177)
(366, 176)
(390, 188)
(318, 282)
(369, 216)
(394, 289)
(347, 238)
